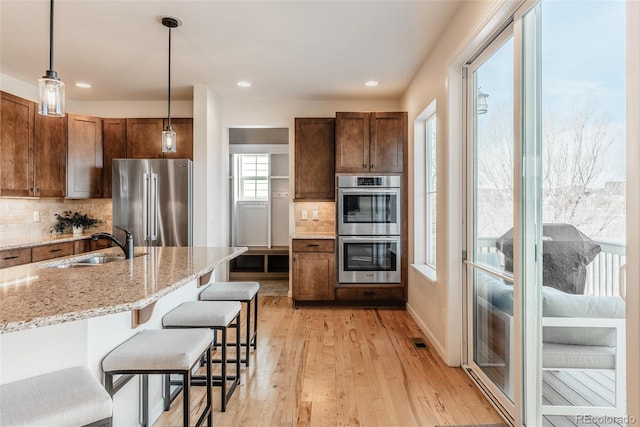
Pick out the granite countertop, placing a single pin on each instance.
(38, 240)
(33, 296)
(310, 235)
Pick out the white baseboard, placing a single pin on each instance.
(432, 340)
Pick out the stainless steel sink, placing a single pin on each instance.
(88, 262)
(70, 265)
(99, 259)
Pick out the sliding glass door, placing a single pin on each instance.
(490, 208)
(545, 247)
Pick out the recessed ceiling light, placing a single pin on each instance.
(83, 85)
(244, 84)
(371, 83)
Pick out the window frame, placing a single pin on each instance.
(425, 170)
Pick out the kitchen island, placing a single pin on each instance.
(52, 318)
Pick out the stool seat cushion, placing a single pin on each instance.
(230, 291)
(159, 349)
(202, 314)
(69, 397)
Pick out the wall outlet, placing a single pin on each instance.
(303, 215)
(315, 215)
(36, 216)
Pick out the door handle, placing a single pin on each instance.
(154, 200)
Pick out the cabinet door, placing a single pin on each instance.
(16, 146)
(56, 250)
(114, 140)
(313, 276)
(315, 159)
(144, 138)
(84, 158)
(388, 139)
(352, 142)
(51, 156)
(184, 139)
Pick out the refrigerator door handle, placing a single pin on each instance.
(154, 206)
(145, 206)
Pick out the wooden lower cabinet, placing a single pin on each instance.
(376, 294)
(56, 250)
(13, 257)
(313, 275)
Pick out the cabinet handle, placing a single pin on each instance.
(11, 257)
(55, 250)
(364, 165)
(371, 165)
(313, 245)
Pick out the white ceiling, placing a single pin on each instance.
(291, 49)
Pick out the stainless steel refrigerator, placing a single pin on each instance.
(153, 199)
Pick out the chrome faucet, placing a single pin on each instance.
(127, 247)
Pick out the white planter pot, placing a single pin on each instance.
(77, 230)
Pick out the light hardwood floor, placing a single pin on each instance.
(343, 367)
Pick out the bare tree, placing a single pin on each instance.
(574, 154)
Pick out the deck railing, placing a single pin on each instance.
(605, 274)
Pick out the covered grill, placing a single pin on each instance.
(566, 252)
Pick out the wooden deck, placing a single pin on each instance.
(343, 366)
(577, 388)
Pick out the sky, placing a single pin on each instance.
(583, 66)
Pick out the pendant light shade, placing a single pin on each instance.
(51, 88)
(168, 135)
(168, 140)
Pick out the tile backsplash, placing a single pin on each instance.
(17, 215)
(326, 222)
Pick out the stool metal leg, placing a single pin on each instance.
(223, 375)
(145, 400)
(255, 322)
(209, 393)
(246, 361)
(186, 380)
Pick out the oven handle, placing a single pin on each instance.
(386, 190)
(370, 239)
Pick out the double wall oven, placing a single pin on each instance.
(369, 227)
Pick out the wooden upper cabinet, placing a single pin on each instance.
(370, 142)
(144, 138)
(114, 146)
(51, 156)
(352, 142)
(17, 162)
(84, 159)
(184, 139)
(315, 159)
(388, 136)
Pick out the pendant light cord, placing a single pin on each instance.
(51, 37)
(169, 85)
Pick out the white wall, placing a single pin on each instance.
(633, 210)
(437, 304)
(105, 109)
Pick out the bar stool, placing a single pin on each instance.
(69, 397)
(245, 292)
(161, 351)
(218, 316)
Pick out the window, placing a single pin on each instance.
(430, 196)
(253, 177)
(425, 192)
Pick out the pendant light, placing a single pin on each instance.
(51, 89)
(168, 135)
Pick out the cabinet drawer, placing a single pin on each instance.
(370, 293)
(313, 245)
(41, 253)
(12, 257)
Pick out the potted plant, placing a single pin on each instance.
(77, 221)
